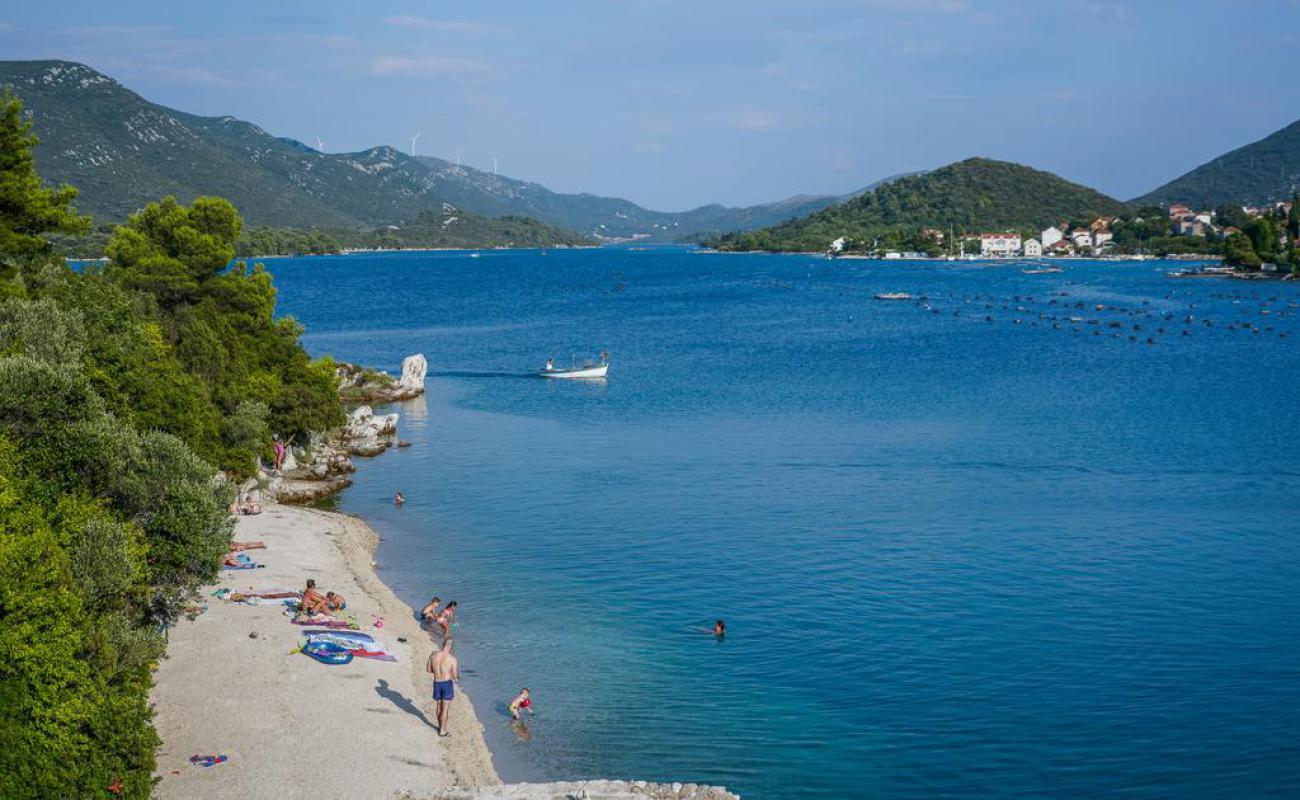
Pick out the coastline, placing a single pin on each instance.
(232, 685)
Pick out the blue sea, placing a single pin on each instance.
(964, 546)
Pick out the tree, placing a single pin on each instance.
(171, 251)
(28, 210)
(1231, 216)
(1293, 219)
(1239, 252)
(1263, 236)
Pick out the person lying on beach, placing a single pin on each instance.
(236, 547)
(447, 617)
(250, 507)
(522, 700)
(231, 559)
(430, 612)
(313, 602)
(335, 602)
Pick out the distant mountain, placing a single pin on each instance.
(972, 195)
(1263, 172)
(123, 151)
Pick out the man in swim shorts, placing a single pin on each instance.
(446, 670)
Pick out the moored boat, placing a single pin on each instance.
(893, 296)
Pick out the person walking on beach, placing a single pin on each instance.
(446, 670)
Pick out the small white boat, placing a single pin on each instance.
(893, 296)
(1042, 270)
(585, 372)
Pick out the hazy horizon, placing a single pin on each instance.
(674, 104)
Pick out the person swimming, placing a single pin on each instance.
(398, 498)
(719, 629)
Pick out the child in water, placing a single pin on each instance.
(719, 629)
(522, 700)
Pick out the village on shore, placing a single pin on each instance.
(1176, 232)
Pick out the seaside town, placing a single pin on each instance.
(1178, 231)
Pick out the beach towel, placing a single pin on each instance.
(358, 637)
(329, 623)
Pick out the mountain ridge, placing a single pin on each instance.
(123, 151)
(1261, 172)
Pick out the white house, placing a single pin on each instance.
(1081, 237)
(999, 244)
(1051, 236)
(1101, 238)
(1033, 249)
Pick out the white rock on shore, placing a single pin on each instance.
(411, 384)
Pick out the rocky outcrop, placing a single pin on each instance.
(581, 790)
(321, 468)
(368, 434)
(360, 385)
(411, 384)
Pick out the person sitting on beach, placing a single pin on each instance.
(335, 602)
(313, 602)
(430, 612)
(447, 617)
(522, 700)
(719, 629)
(231, 559)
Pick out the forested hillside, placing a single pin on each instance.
(123, 151)
(123, 390)
(972, 195)
(1262, 172)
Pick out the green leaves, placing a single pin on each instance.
(28, 210)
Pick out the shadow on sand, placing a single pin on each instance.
(401, 701)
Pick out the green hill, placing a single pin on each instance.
(123, 151)
(1262, 172)
(972, 195)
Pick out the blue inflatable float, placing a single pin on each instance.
(327, 652)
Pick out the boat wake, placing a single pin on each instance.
(453, 373)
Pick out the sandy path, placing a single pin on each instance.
(295, 728)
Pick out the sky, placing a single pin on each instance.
(678, 103)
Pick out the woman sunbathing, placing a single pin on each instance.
(312, 600)
(335, 602)
(238, 546)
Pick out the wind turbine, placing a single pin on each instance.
(320, 146)
(494, 165)
(413, 138)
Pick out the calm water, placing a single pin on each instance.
(957, 557)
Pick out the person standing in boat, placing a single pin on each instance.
(550, 364)
(604, 356)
